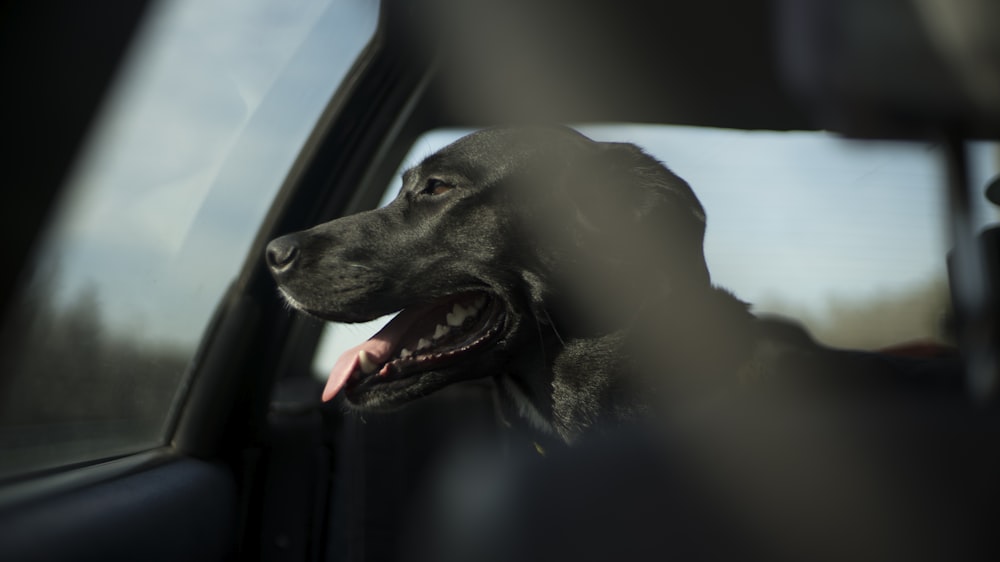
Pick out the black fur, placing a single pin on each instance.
(593, 252)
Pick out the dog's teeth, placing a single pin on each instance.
(459, 313)
(423, 344)
(405, 353)
(456, 316)
(440, 331)
(367, 365)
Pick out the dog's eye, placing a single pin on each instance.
(436, 187)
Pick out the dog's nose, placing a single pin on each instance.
(281, 254)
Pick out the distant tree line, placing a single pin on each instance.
(917, 313)
(63, 365)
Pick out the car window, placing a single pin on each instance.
(211, 108)
(848, 237)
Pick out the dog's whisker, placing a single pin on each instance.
(284, 301)
(553, 324)
(541, 340)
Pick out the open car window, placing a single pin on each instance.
(847, 237)
(213, 104)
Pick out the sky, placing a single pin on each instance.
(218, 96)
(185, 158)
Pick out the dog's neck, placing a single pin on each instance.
(695, 341)
(679, 346)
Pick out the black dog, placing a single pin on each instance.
(570, 270)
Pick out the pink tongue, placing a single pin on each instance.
(380, 348)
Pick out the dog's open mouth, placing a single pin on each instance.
(420, 338)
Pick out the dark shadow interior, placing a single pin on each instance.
(257, 469)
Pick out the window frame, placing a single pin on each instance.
(250, 338)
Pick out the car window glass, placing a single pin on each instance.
(212, 106)
(848, 237)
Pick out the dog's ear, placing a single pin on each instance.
(635, 214)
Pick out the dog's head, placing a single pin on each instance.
(498, 248)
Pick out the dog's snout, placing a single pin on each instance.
(282, 253)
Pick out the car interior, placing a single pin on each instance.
(186, 423)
